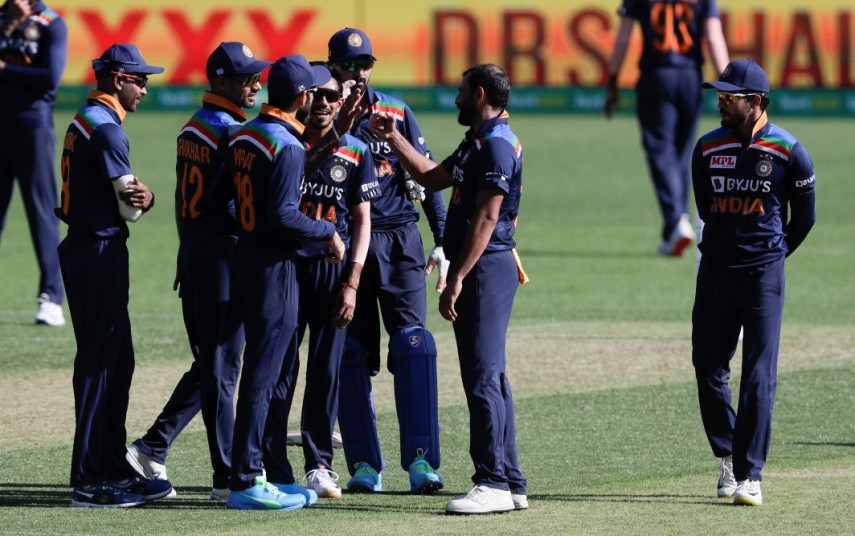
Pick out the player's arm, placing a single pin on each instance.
(421, 168)
(47, 74)
(700, 183)
(487, 205)
(133, 197)
(615, 62)
(283, 204)
(802, 199)
(360, 237)
(716, 44)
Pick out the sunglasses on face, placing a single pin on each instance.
(730, 98)
(141, 81)
(331, 95)
(359, 64)
(246, 81)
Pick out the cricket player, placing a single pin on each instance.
(265, 167)
(340, 191)
(669, 96)
(33, 41)
(207, 233)
(485, 174)
(99, 195)
(754, 188)
(394, 278)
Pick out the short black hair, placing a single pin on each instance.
(494, 81)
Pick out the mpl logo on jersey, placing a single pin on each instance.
(722, 162)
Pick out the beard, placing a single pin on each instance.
(466, 113)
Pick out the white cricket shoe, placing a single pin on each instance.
(681, 237)
(748, 493)
(49, 313)
(481, 500)
(146, 466)
(726, 482)
(520, 501)
(324, 482)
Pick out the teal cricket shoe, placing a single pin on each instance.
(296, 489)
(365, 479)
(423, 478)
(263, 495)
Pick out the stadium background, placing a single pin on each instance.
(554, 50)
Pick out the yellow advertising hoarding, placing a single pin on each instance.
(545, 42)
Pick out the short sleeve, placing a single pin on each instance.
(113, 150)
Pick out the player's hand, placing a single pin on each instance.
(334, 249)
(17, 11)
(136, 195)
(612, 101)
(352, 108)
(448, 299)
(437, 258)
(382, 125)
(345, 306)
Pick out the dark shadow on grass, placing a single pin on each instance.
(629, 498)
(823, 444)
(17, 495)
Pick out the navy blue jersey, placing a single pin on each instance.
(490, 158)
(756, 197)
(265, 165)
(202, 149)
(94, 154)
(35, 59)
(394, 209)
(672, 30)
(345, 179)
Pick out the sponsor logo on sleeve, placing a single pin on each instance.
(806, 183)
(722, 162)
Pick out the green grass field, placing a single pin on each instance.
(599, 358)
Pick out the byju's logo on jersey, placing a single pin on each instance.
(723, 162)
(717, 184)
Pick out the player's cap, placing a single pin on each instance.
(348, 44)
(741, 76)
(292, 74)
(124, 58)
(233, 58)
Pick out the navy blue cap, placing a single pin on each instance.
(292, 74)
(233, 58)
(124, 58)
(348, 44)
(741, 76)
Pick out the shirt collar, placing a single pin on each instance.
(212, 99)
(501, 119)
(282, 115)
(109, 101)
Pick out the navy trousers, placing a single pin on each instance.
(215, 331)
(268, 296)
(669, 102)
(725, 300)
(27, 154)
(484, 313)
(96, 281)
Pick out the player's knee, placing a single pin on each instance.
(411, 343)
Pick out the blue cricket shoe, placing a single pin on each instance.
(147, 488)
(365, 479)
(296, 489)
(423, 478)
(104, 495)
(263, 495)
